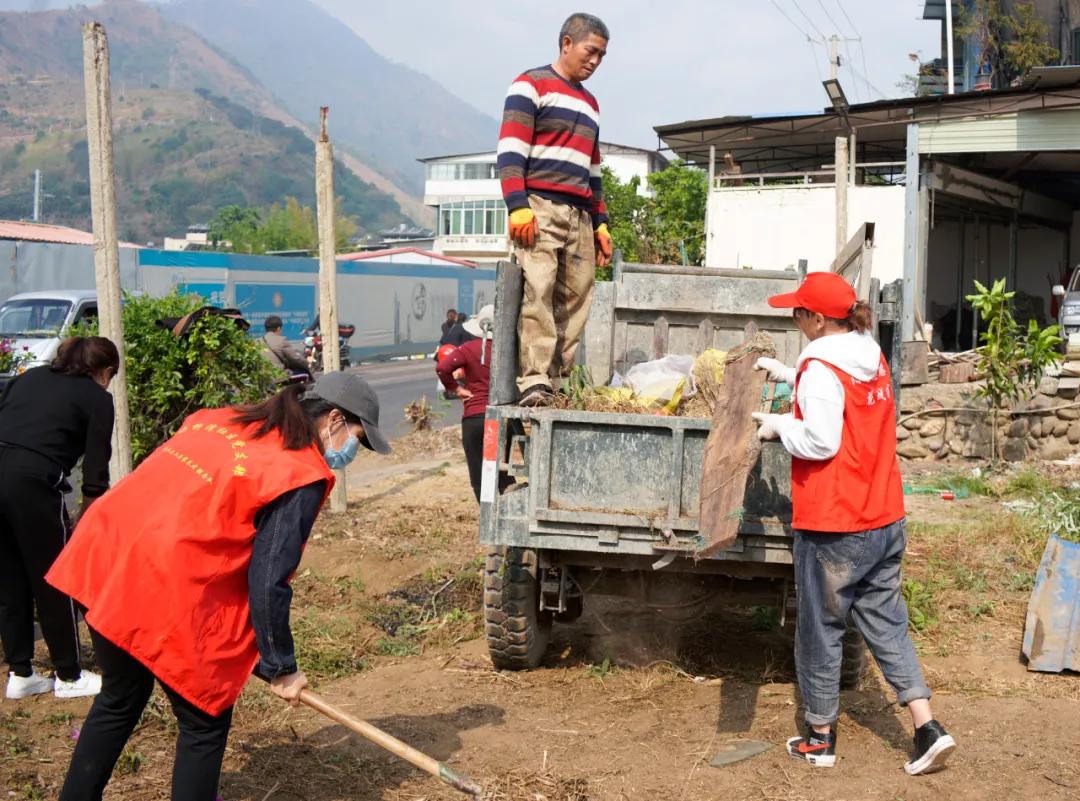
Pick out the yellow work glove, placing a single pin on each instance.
(523, 227)
(603, 245)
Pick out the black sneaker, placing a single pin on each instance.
(537, 395)
(817, 749)
(933, 746)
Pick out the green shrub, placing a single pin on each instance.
(215, 364)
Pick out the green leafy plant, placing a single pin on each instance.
(214, 364)
(922, 607)
(1011, 363)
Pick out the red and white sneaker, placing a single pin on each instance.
(817, 749)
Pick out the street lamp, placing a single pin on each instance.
(838, 99)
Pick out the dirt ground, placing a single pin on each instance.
(630, 705)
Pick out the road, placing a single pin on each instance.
(400, 383)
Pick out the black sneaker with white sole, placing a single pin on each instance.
(817, 749)
(933, 746)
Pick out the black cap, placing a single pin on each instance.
(353, 394)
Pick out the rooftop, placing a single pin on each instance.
(42, 232)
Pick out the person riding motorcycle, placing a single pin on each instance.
(280, 353)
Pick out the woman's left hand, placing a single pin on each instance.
(289, 686)
(768, 425)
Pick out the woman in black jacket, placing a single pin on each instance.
(50, 417)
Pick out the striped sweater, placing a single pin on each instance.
(549, 144)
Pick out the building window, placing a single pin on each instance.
(462, 171)
(473, 218)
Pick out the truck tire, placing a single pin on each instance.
(853, 663)
(517, 631)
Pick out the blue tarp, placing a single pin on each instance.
(1052, 631)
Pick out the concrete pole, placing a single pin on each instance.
(950, 89)
(328, 319)
(37, 195)
(103, 212)
(841, 192)
(834, 56)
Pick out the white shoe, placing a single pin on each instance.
(25, 686)
(87, 684)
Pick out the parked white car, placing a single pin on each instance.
(34, 323)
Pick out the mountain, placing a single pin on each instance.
(193, 130)
(384, 112)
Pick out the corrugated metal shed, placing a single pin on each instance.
(1025, 131)
(1052, 631)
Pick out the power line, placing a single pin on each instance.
(847, 51)
(817, 30)
(828, 16)
(789, 19)
(849, 22)
(860, 75)
(866, 71)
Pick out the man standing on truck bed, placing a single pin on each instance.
(549, 166)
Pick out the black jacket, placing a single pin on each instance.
(63, 418)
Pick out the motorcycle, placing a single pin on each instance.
(313, 345)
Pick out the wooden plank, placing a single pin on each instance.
(733, 446)
(915, 360)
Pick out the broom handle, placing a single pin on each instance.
(391, 744)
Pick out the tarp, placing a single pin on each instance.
(34, 266)
(1052, 631)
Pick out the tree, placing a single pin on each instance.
(288, 226)
(656, 229)
(1031, 46)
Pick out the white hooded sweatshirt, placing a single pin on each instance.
(821, 397)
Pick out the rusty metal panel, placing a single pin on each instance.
(1052, 632)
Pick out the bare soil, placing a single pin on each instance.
(630, 705)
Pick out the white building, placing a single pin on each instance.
(471, 216)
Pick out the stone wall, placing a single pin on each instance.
(948, 421)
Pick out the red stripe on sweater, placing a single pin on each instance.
(564, 139)
(557, 86)
(516, 130)
(566, 189)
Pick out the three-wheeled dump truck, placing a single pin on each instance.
(608, 503)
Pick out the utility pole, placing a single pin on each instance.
(37, 196)
(103, 212)
(328, 320)
(949, 46)
(834, 56)
(841, 168)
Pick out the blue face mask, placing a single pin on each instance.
(339, 458)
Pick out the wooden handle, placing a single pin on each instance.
(391, 744)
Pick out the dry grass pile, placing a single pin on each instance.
(522, 785)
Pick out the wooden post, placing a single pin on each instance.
(328, 320)
(103, 212)
(841, 192)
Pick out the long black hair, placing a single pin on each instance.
(290, 414)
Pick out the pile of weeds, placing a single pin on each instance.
(440, 607)
(325, 617)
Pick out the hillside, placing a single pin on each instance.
(182, 148)
(387, 114)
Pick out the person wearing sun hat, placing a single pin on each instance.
(848, 516)
(184, 569)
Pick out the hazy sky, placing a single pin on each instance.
(668, 61)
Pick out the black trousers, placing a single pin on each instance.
(472, 441)
(125, 690)
(34, 528)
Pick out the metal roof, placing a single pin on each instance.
(380, 254)
(41, 232)
(806, 141)
(1052, 631)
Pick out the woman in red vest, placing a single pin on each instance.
(848, 515)
(184, 569)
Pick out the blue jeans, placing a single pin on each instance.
(857, 574)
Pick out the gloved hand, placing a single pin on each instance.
(778, 371)
(603, 245)
(523, 227)
(769, 424)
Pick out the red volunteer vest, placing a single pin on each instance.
(860, 488)
(161, 560)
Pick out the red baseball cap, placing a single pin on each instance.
(825, 293)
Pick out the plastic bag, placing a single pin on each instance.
(663, 379)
